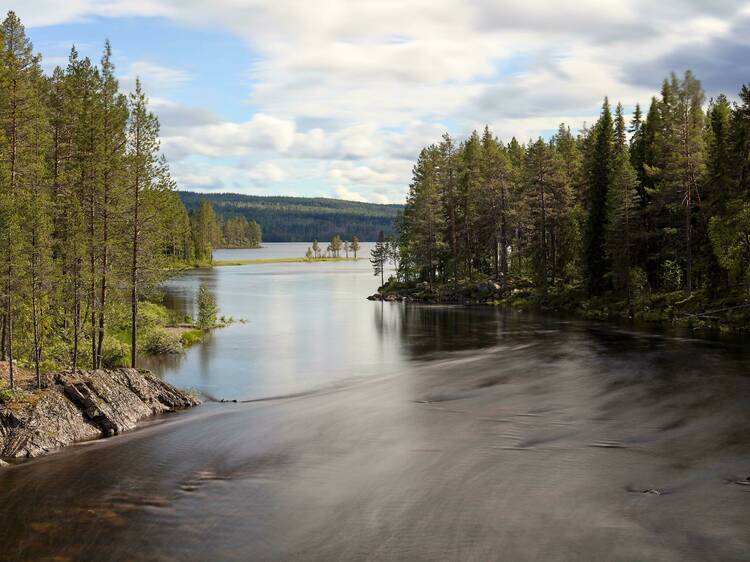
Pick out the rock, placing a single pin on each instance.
(84, 406)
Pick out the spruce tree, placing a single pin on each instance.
(599, 180)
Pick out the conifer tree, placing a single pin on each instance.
(379, 257)
(142, 169)
(622, 201)
(599, 179)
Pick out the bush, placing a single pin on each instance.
(151, 315)
(114, 353)
(191, 337)
(638, 282)
(157, 341)
(207, 309)
(6, 394)
(671, 276)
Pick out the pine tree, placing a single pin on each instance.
(113, 112)
(379, 257)
(599, 180)
(622, 201)
(22, 119)
(142, 147)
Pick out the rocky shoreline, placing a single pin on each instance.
(83, 406)
(478, 293)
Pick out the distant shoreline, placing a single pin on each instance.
(260, 261)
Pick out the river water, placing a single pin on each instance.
(383, 431)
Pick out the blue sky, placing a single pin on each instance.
(335, 98)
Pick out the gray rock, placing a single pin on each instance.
(85, 406)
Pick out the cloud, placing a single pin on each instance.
(156, 79)
(346, 93)
(343, 192)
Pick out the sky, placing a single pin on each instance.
(335, 98)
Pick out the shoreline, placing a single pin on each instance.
(696, 312)
(263, 261)
(82, 406)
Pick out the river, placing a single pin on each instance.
(383, 431)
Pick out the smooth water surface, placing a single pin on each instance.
(298, 326)
(404, 432)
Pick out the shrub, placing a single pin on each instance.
(191, 337)
(671, 276)
(114, 353)
(207, 309)
(157, 341)
(638, 282)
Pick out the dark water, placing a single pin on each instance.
(410, 433)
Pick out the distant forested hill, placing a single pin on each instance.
(301, 219)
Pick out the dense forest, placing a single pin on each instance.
(210, 231)
(90, 221)
(301, 219)
(658, 203)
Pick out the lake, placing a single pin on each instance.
(386, 431)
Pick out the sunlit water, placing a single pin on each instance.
(298, 326)
(404, 432)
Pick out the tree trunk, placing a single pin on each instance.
(9, 314)
(76, 311)
(134, 277)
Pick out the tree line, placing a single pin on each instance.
(300, 219)
(89, 216)
(334, 249)
(658, 202)
(210, 231)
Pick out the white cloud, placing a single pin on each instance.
(156, 79)
(343, 192)
(382, 78)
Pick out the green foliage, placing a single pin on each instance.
(191, 337)
(662, 213)
(379, 257)
(237, 232)
(671, 276)
(207, 309)
(156, 341)
(89, 219)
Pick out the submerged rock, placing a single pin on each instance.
(82, 406)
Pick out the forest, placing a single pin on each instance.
(90, 220)
(301, 219)
(625, 211)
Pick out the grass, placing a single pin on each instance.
(259, 261)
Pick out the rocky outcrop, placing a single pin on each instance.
(81, 406)
(483, 292)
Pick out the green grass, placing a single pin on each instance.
(259, 261)
(191, 337)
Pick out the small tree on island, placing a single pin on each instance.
(207, 309)
(346, 249)
(336, 245)
(379, 257)
(316, 248)
(309, 254)
(354, 246)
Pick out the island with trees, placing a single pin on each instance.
(647, 217)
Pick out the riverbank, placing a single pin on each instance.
(74, 407)
(729, 312)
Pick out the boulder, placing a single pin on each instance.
(82, 406)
